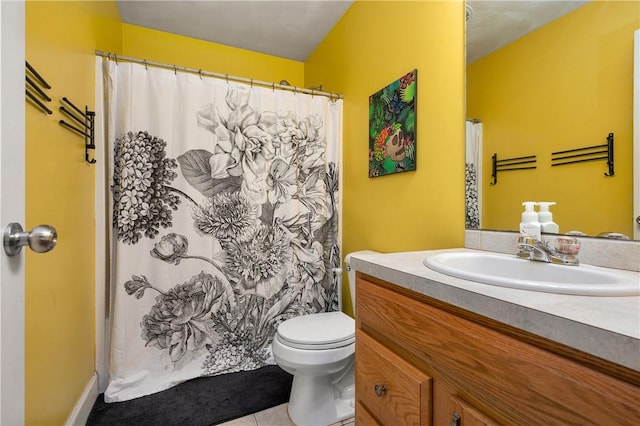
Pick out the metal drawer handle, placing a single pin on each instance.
(455, 419)
(380, 390)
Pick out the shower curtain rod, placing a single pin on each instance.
(227, 77)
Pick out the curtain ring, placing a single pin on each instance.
(175, 69)
(145, 65)
(252, 83)
(227, 77)
(295, 90)
(273, 87)
(200, 72)
(312, 93)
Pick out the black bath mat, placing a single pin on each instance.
(200, 402)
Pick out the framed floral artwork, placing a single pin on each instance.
(392, 127)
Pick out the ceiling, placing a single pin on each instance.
(293, 28)
(494, 24)
(287, 29)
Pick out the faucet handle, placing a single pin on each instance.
(547, 246)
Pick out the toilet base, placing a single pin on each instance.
(322, 400)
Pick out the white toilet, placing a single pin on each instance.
(318, 349)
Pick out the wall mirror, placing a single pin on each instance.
(543, 77)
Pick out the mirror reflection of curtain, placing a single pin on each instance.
(473, 171)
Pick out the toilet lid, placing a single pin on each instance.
(323, 330)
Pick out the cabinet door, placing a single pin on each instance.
(462, 414)
(363, 417)
(393, 390)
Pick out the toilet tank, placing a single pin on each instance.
(351, 275)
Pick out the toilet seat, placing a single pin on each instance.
(325, 330)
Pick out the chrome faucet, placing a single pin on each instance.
(532, 249)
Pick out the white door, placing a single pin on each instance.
(12, 130)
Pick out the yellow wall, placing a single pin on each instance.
(374, 44)
(188, 52)
(61, 38)
(567, 85)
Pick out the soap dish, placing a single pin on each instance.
(567, 245)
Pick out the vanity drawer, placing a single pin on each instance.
(364, 417)
(392, 390)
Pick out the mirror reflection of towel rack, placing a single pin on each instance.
(509, 164)
(589, 153)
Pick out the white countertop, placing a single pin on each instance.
(607, 327)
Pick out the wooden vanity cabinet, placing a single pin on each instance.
(439, 365)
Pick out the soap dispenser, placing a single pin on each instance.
(545, 218)
(529, 225)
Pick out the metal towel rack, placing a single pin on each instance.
(589, 153)
(508, 164)
(35, 89)
(86, 120)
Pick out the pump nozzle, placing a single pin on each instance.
(529, 215)
(545, 217)
(544, 205)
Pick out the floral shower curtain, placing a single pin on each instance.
(473, 171)
(225, 221)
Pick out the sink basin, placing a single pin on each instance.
(509, 271)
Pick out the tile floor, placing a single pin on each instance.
(276, 416)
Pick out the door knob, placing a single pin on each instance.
(41, 239)
(638, 220)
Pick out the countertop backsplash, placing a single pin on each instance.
(608, 253)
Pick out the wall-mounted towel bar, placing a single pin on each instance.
(589, 153)
(37, 76)
(35, 89)
(509, 164)
(86, 120)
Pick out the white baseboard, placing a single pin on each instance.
(82, 409)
